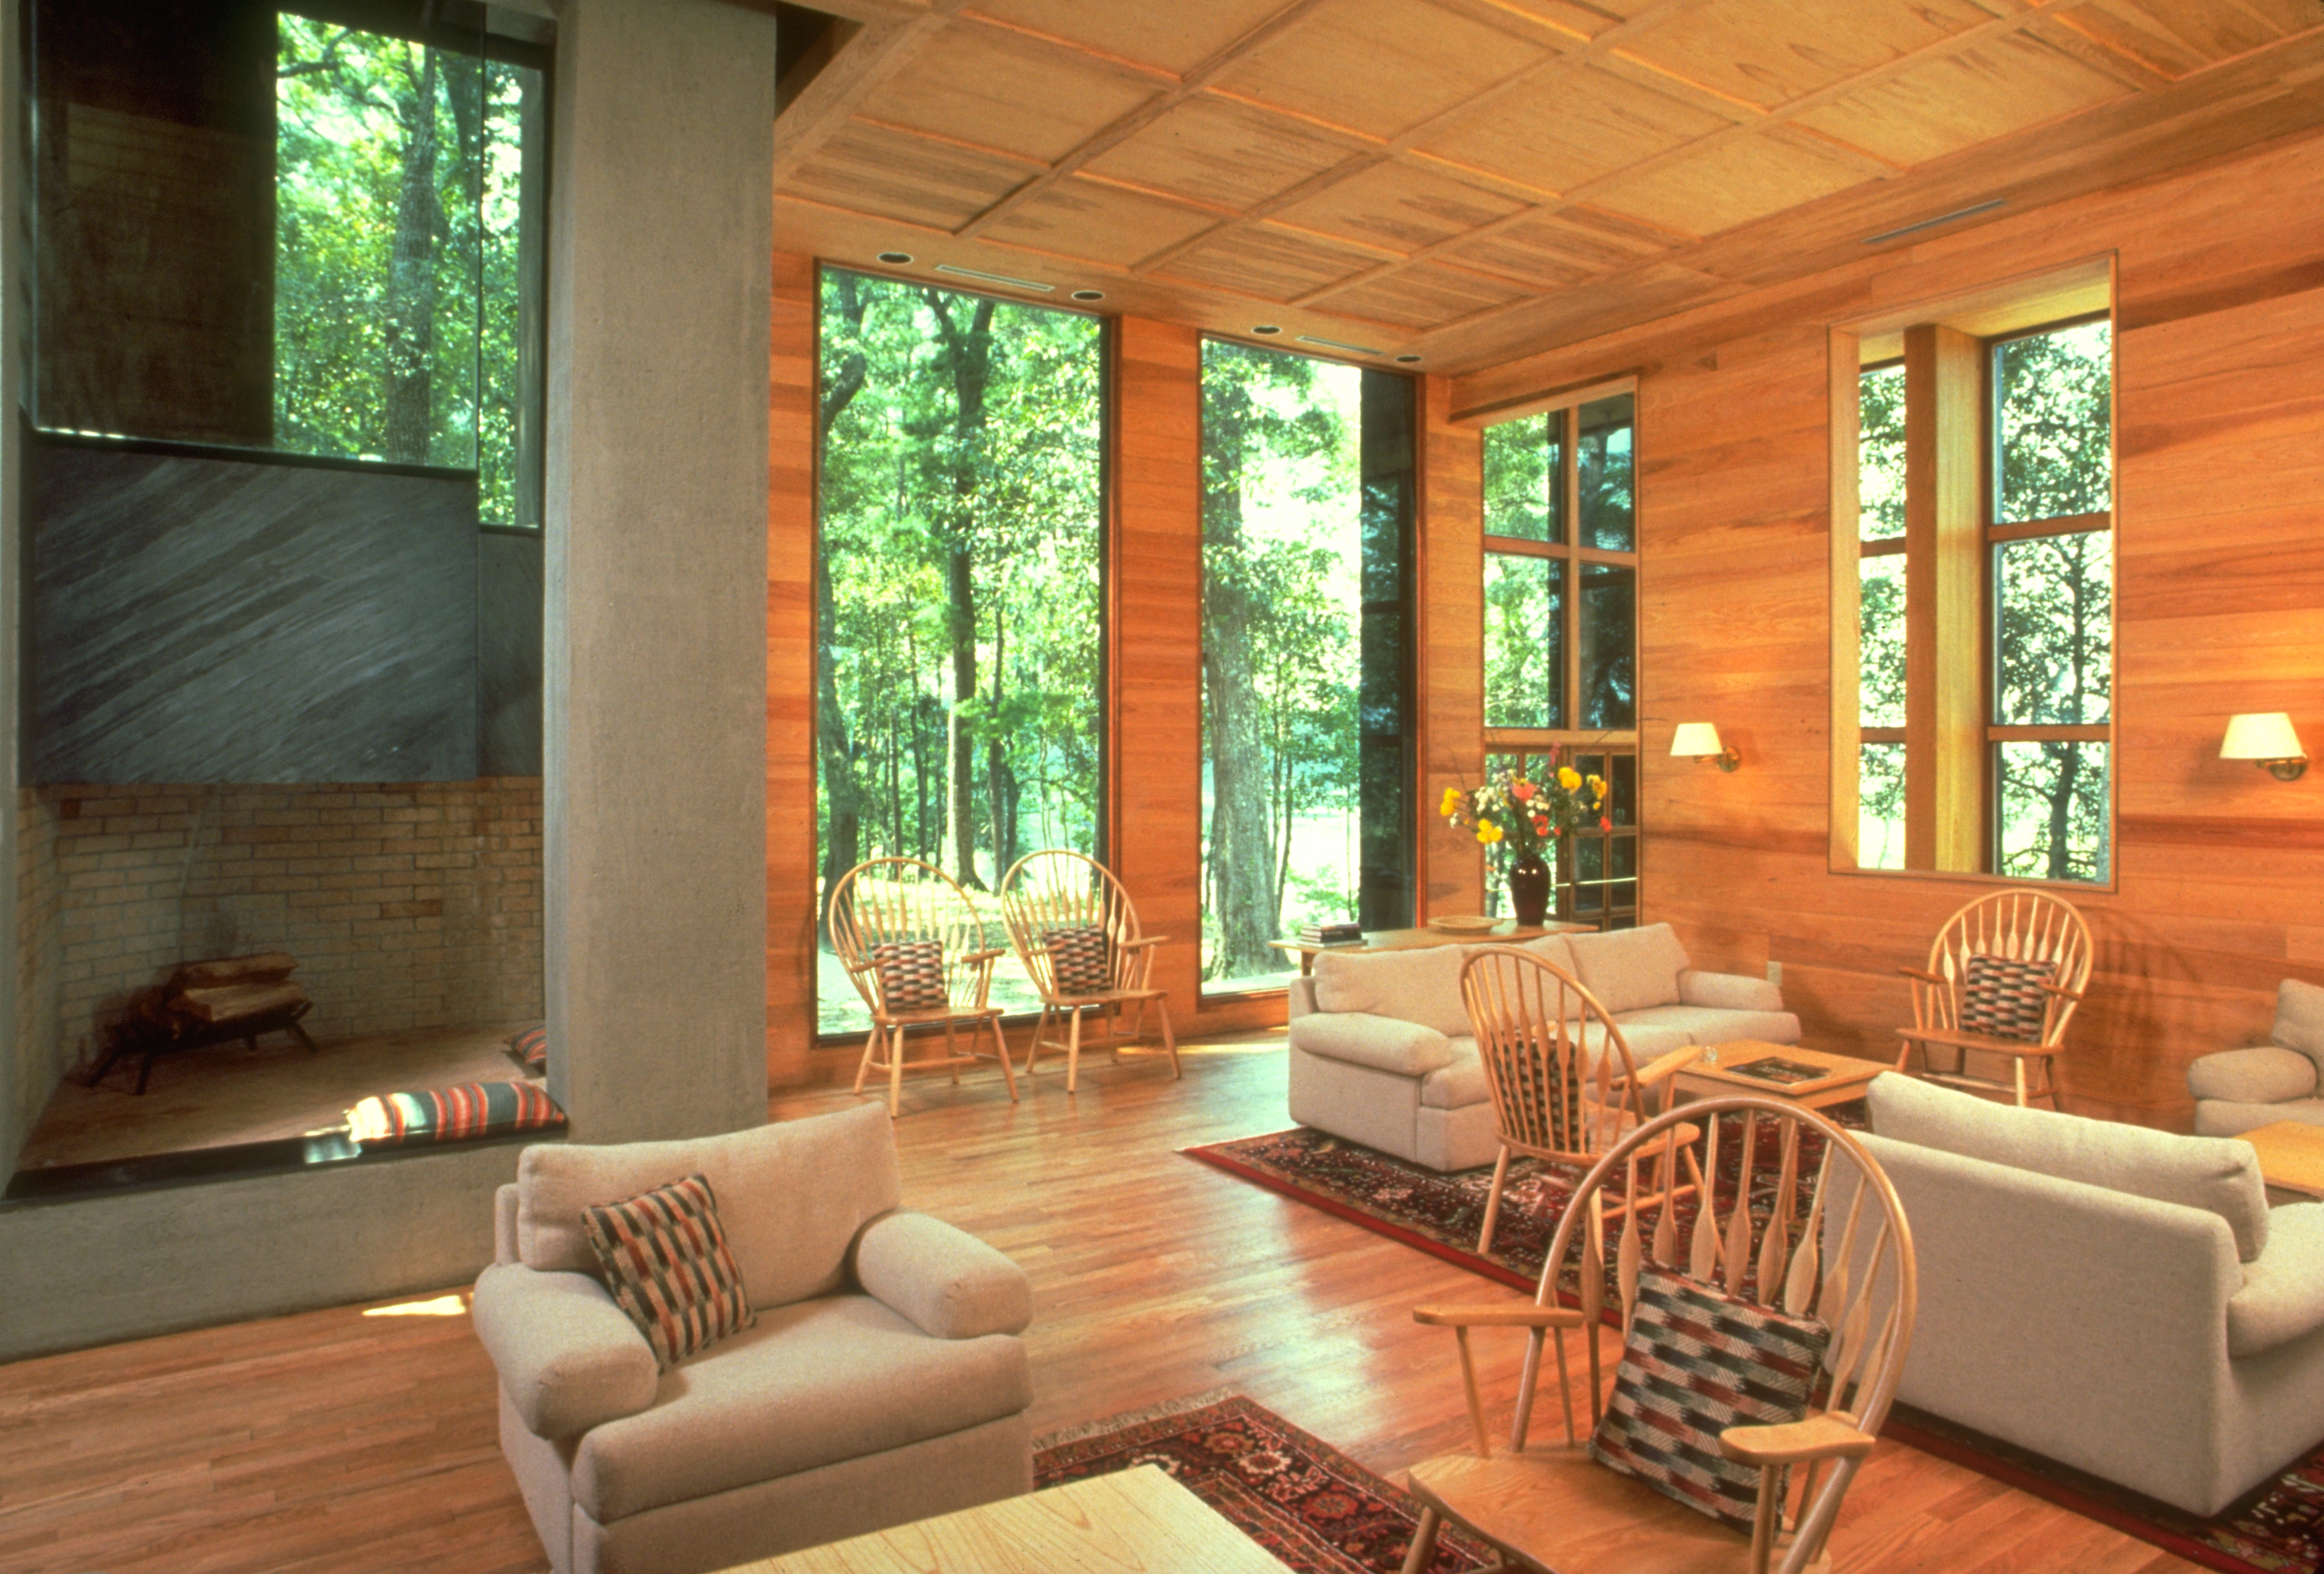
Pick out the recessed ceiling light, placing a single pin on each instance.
(895, 258)
(1407, 360)
(1265, 327)
(1906, 229)
(958, 272)
(1336, 344)
(1089, 295)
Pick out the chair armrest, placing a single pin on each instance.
(984, 955)
(1665, 1065)
(1728, 991)
(1142, 942)
(2061, 992)
(1514, 1314)
(1924, 976)
(567, 1356)
(2263, 1074)
(1819, 1437)
(505, 1210)
(2282, 1293)
(948, 1282)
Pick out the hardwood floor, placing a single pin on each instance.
(346, 1439)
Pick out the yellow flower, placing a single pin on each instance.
(1568, 778)
(1488, 832)
(1452, 804)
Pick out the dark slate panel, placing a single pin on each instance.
(509, 569)
(199, 619)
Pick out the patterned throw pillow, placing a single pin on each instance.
(472, 1110)
(1697, 1362)
(530, 1048)
(2003, 997)
(668, 1264)
(1077, 960)
(911, 975)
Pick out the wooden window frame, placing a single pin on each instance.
(1952, 828)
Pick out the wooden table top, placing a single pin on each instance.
(1129, 1521)
(1717, 1071)
(1505, 933)
(2291, 1155)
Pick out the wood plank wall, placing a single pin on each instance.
(1451, 635)
(2220, 608)
(791, 684)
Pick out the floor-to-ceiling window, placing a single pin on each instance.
(957, 590)
(1307, 493)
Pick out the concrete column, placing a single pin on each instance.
(661, 230)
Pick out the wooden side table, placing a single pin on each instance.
(2291, 1155)
(1722, 1070)
(1506, 933)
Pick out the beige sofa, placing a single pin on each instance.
(1382, 1052)
(2237, 1090)
(883, 1382)
(2119, 1298)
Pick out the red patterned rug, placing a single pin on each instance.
(2279, 1529)
(1315, 1509)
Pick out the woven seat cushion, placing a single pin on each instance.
(1077, 959)
(2002, 997)
(668, 1267)
(454, 1114)
(1698, 1361)
(911, 975)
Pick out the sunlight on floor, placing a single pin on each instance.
(452, 1305)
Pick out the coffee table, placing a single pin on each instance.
(1722, 1072)
(2291, 1155)
(1128, 1520)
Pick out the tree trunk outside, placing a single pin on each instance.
(969, 354)
(409, 351)
(1243, 851)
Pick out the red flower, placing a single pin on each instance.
(1605, 822)
(1522, 791)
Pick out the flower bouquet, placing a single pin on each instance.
(1527, 816)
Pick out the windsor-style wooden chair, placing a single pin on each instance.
(914, 947)
(1564, 1084)
(1824, 1237)
(2004, 977)
(1078, 934)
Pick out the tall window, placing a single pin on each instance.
(1983, 592)
(1307, 484)
(957, 591)
(1562, 576)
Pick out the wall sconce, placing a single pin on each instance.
(1701, 741)
(2266, 739)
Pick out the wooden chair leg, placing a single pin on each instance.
(1493, 1202)
(870, 1052)
(2019, 1061)
(1041, 1032)
(1001, 1043)
(1423, 1541)
(952, 1048)
(895, 1073)
(1170, 1039)
(1073, 1047)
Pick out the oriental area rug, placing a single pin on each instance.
(2279, 1529)
(1315, 1509)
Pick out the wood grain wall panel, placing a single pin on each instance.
(2220, 887)
(1155, 809)
(790, 683)
(1451, 596)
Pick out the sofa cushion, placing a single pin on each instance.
(668, 1264)
(1708, 1025)
(1728, 991)
(1630, 969)
(1388, 1043)
(2283, 1295)
(2226, 1118)
(2003, 996)
(794, 1194)
(2267, 1074)
(2300, 1019)
(2218, 1176)
(814, 1382)
(1420, 986)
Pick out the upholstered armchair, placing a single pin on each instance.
(2238, 1090)
(883, 1381)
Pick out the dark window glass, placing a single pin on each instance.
(1524, 486)
(1610, 608)
(1524, 641)
(1603, 474)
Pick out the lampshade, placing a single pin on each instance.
(1698, 738)
(2261, 735)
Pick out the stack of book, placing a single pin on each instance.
(1329, 934)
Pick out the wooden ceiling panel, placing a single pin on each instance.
(2001, 86)
(1217, 150)
(893, 174)
(1270, 263)
(1379, 66)
(1734, 181)
(1100, 221)
(1175, 36)
(1428, 295)
(1400, 205)
(1566, 246)
(1585, 123)
(2175, 37)
(1771, 52)
(992, 88)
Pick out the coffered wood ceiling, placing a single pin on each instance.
(1467, 180)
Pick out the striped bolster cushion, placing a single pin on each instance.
(450, 1114)
(530, 1048)
(668, 1267)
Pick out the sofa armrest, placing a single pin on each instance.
(950, 1283)
(569, 1358)
(1386, 1044)
(2283, 1295)
(1300, 996)
(1728, 991)
(2268, 1074)
(505, 1210)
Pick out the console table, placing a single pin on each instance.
(1506, 933)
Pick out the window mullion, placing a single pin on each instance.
(1944, 521)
